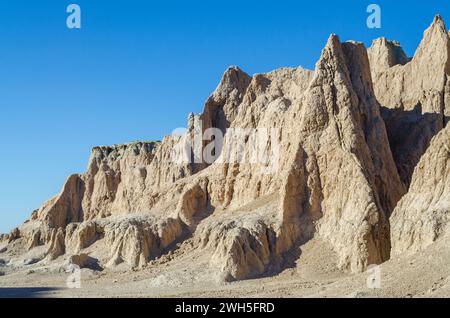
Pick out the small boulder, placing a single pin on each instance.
(84, 261)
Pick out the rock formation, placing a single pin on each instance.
(384, 54)
(423, 215)
(326, 169)
(414, 95)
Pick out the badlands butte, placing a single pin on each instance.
(362, 178)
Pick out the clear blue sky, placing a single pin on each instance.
(137, 68)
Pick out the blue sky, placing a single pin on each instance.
(137, 68)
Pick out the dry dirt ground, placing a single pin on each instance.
(185, 273)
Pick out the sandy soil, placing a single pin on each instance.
(185, 273)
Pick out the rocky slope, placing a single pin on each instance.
(340, 147)
(423, 215)
(414, 95)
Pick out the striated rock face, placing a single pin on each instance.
(415, 96)
(333, 136)
(138, 241)
(343, 141)
(327, 169)
(56, 244)
(113, 184)
(82, 235)
(223, 105)
(423, 215)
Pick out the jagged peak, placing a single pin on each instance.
(434, 37)
(341, 58)
(384, 42)
(335, 47)
(103, 152)
(353, 42)
(434, 49)
(333, 43)
(331, 55)
(439, 21)
(384, 53)
(151, 143)
(233, 75)
(233, 78)
(380, 41)
(436, 27)
(233, 68)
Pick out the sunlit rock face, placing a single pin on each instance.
(343, 143)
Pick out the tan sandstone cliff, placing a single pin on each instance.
(423, 215)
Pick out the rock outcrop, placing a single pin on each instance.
(423, 215)
(306, 154)
(222, 106)
(136, 241)
(84, 261)
(384, 54)
(333, 136)
(344, 141)
(415, 96)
